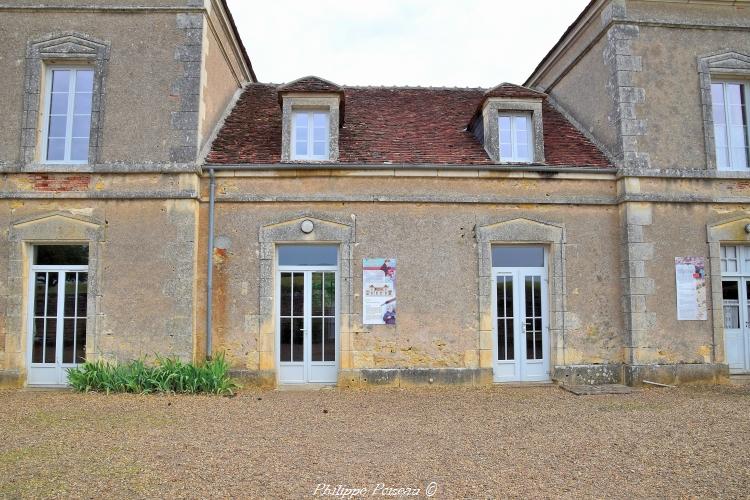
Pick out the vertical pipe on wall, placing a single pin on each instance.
(210, 265)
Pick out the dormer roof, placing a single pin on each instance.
(311, 83)
(510, 91)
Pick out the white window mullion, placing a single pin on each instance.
(69, 118)
(310, 134)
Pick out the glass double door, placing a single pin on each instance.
(736, 303)
(57, 323)
(521, 340)
(307, 326)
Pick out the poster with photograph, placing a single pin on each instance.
(691, 288)
(379, 291)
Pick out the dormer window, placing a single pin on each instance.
(312, 112)
(508, 122)
(516, 137)
(310, 137)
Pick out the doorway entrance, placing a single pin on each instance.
(521, 330)
(57, 315)
(307, 299)
(735, 289)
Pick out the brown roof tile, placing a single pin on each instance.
(392, 125)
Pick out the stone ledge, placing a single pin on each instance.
(254, 378)
(687, 373)
(11, 379)
(611, 373)
(407, 377)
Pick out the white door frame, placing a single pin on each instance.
(42, 374)
(737, 338)
(518, 370)
(308, 376)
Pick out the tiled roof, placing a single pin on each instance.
(392, 125)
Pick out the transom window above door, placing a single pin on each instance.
(517, 256)
(310, 135)
(729, 101)
(516, 141)
(68, 104)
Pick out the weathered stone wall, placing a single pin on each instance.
(222, 74)
(139, 77)
(672, 107)
(433, 237)
(142, 274)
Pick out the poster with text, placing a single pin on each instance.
(379, 291)
(691, 288)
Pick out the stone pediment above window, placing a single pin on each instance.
(312, 113)
(508, 122)
(68, 45)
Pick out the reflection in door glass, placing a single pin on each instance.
(731, 299)
(533, 318)
(323, 322)
(505, 347)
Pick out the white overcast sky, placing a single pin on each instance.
(465, 43)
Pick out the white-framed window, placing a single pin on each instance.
(67, 125)
(310, 135)
(729, 101)
(516, 141)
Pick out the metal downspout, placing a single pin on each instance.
(210, 265)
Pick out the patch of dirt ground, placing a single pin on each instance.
(472, 443)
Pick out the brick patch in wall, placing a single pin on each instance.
(54, 183)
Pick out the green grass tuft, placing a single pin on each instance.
(167, 375)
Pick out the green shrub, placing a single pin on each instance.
(168, 375)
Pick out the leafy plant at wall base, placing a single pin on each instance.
(166, 375)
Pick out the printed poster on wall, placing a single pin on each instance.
(691, 288)
(379, 291)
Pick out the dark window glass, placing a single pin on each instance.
(62, 255)
(308, 255)
(517, 256)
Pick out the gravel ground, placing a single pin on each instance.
(472, 443)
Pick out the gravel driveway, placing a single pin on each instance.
(477, 443)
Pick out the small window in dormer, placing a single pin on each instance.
(310, 135)
(67, 127)
(516, 142)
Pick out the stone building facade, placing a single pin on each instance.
(530, 233)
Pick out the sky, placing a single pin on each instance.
(464, 43)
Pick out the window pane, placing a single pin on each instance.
(298, 347)
(505, 123)
(79, 149)
(522, 152)
(84, 80)
(81, 125)
(739, 158)
(320, 120)
(61, 80)
(298, 294)
(58, 104)
(50, 341)
(37, 349)
(317, 339)
(317, 294)
(520, 123)
(285, 336)
(330, 339)
(57, 126)
(308, 255)
(329, 294)
(82, 105)
(319, 148)
(56, 149)
(62, 255)
(40, 292)
(83, 293)
(517, 256)
(300, 148)
(286, 294)
(80, 341)
(68, 347)
(300, 120)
